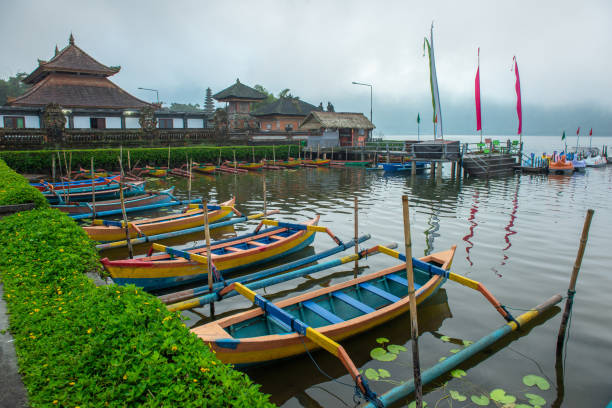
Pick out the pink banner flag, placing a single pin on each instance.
(519, 109)
(578, 131)
(591, 132)
(477, 95)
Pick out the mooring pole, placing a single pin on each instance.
(235, 164)
(123, 213)
(264, 197)
(93, 189)
(273, 155)
(129, 162)
(168, 156)
(414, 326)
(208, 257)
(572, 286)
(189, 165)
(53, 167)
(253, 154)
(356, 235)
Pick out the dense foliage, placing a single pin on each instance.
(39, 161)
(15, 189)
(81, 345)
(12, 87)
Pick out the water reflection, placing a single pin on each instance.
(473, 225)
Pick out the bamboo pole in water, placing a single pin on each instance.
(356, 234)
(265, 205)
(67, 194)
(190, 165)
(219, 160)
(414, 327)
(53, 168)
(273, 155)
(253, 154)
(572, 286)
(168, 156)
(93, 189)
(129, 162)
(208, 256)
(235, 164)
(123, 213)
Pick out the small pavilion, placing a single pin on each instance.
(337, 129)
(239, 98)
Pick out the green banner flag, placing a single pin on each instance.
(563, 135)
(418, 118)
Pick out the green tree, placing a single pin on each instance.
(185, 107)
(12, 87)
(269, 97)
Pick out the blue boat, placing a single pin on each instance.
(104, 192)
(401, 167)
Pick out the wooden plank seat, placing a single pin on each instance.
(324, 313)
(353, 302)
(377, 291)
(401, 281)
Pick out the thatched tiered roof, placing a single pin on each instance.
(285, 107)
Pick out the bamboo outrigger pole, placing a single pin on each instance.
(93, 189)
(414, 327)
(572, 286)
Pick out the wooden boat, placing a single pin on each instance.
(204, 168)
(338, 312)
(106, 205)
(351, 163)
(317, 162)
(104, 192)
(155, 171)
(44, 186)
(153, 226)
(286, 163)
(245, 165)
(84, 173)
(561, 166)
(162, 271)
(406, 166)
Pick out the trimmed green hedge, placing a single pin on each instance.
(81, 345)
(15, 189)
(39, 161)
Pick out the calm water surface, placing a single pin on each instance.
(518, 235)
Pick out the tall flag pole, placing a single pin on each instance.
(577, 138)
(477, 96)
(433, 81)
(563, 139)
(418, 126)
(519, 109)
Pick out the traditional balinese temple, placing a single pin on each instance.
(239, 98)
(284, 114)
(79, 84)
(337, 129)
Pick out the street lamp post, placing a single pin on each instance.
(370, 85)
(154, 90)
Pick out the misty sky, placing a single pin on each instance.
(316, 48)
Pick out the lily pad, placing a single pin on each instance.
(381, 354)
(531, 380)
(382, 340)
(413, 404)
(456, 395)
(372, 374)
(445, 338)
(481, 400)
(395, 348)
(467, 342)
(455, 350)
(535, 399)
(441, 359)
(383, 373)
(457, 373)
(499, 395)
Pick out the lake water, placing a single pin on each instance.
(518, 235)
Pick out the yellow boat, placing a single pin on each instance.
(152, 226)
(164, 270)
(338, 312)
